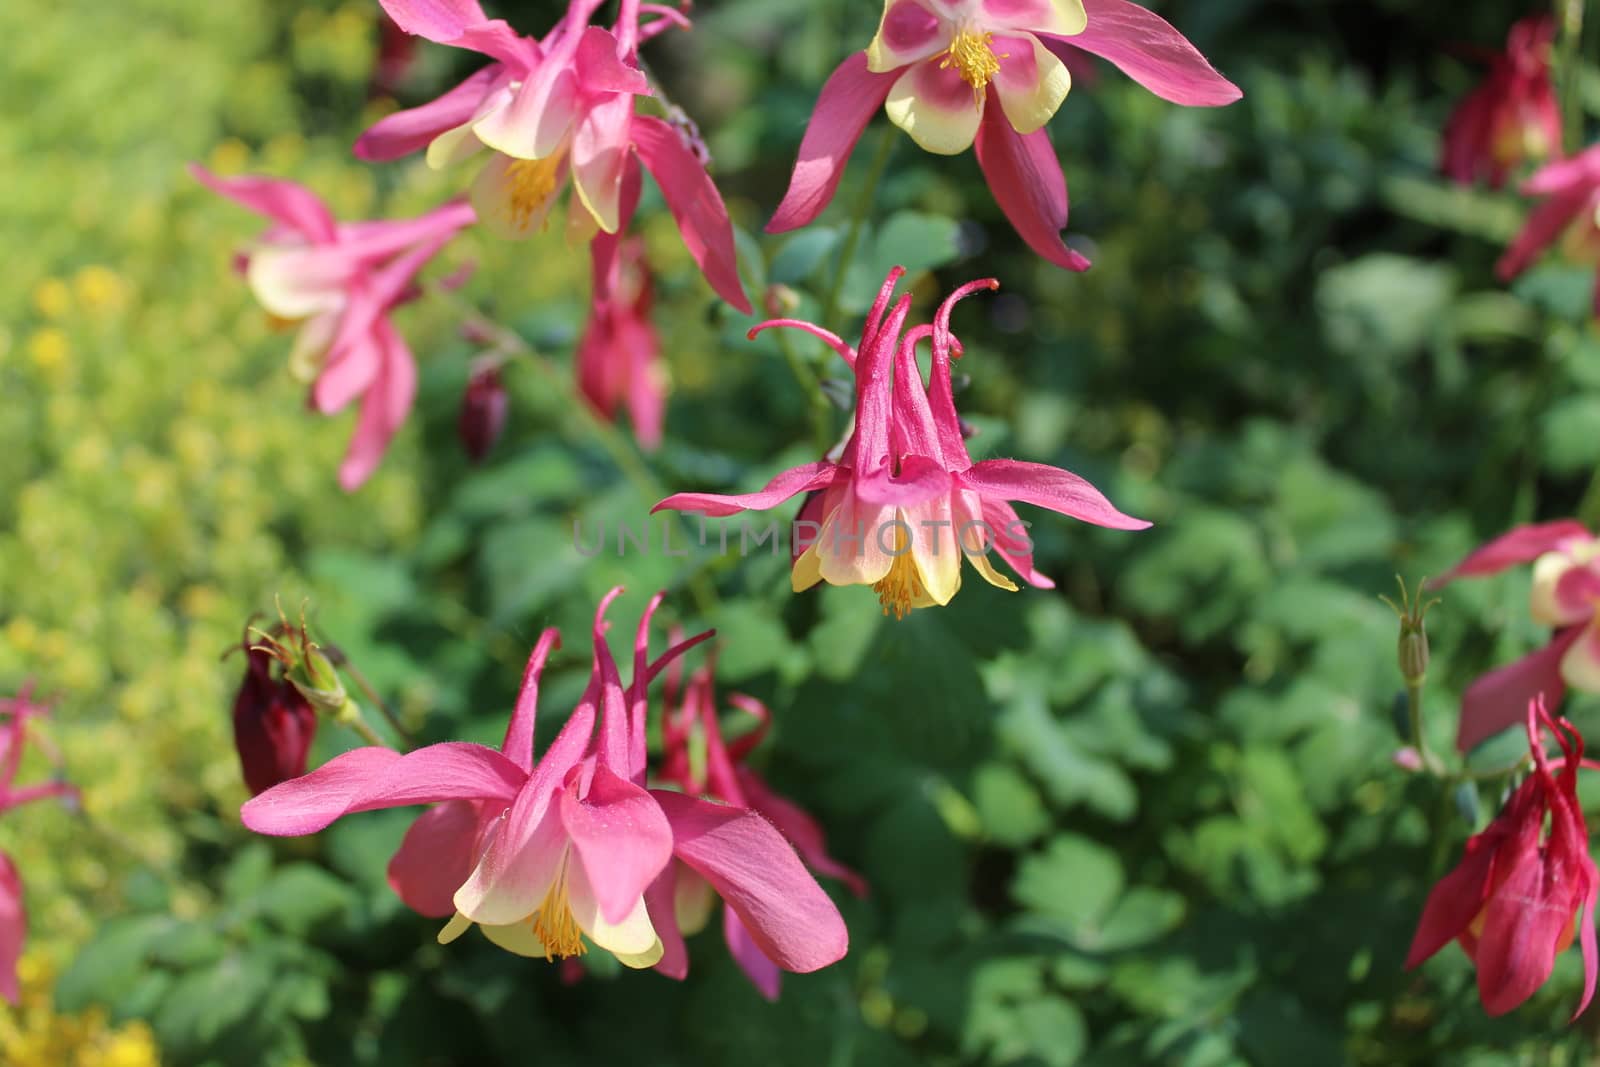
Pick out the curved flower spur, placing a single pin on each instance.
(990, 74)
(904, 502)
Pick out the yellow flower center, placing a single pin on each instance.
(972, 54)
(900, 589)
(554, 925)
(533, 182)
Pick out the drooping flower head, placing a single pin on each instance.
(1526, 887)
(1565, 597)
(544, 853)
(1569, 217)
(482, 417)
(697, 760)
(1513, 117)
(619, 356)
(16, 715)
(339, 282)
(273, 722)
(904, 502)
(956, 74)
(555, 112)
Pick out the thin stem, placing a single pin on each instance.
(1569, 17)
(368, 734)
(1430, 762)
(371, 694)
(510, 344)
(852, 236)
(1589, 507)
(805, 373)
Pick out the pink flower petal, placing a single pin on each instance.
(1582, 171)
(1521, 545)
(437, 20)
(366, 779)
(695, 204)
(1456, 899)
(383, 409)
(919, 481)
(1047, 487)
(1031, 83)
(1500, 698)
(936, 107)
(1027, 183)
(1009, 535)
(622, 838)
(435, 858)
(758, 875)
(868, 449)
(518, 743)
(284, 202)
(1580, 667)
(762, 972)
(849, 98)
(1544, 227)
(659, 899)
(409, 131)
(1039, 16)
(13, 927)
(801, 830)
(1523, 922)
(1146, 48)
(599, 158)
(909, 31)
(789, 483)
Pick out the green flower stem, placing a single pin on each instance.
(1430, 762)
(852, 237)
(509, 344)
(371, 694)
(360, 726)
(1569, 20)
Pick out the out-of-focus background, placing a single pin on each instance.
(1149, 817)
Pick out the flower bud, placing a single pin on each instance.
(483, 412)
(273, 724)
(780, 300)
(1412, 647)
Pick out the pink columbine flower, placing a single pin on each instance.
(15, 715)
(1523, 891)
(1570, 215)
(273, 723)
(545, 853)
(339, 282)
(619, 356)
(904, 501)
(690, 728)
(990, 73)
(1513, 117)
(1566, 597)
(556, 109)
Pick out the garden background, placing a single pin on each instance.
(1149, 817)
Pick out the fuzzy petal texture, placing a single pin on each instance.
(757, 874)
(366, 779)
(1027, 183)
(787, 484)
(437, 20)
(695, 204)
(1146, 48)
(1047, 487)
(623, 839)
(435, 857)
(1500, 698)
(849, 99)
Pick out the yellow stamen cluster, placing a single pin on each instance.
(554, 925)
(533, 182)
(972, 55)
(901, 588)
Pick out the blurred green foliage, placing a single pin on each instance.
(1147, 818)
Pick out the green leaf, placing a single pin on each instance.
(1008, 805)
(802, 254)
(1074, 882)
(300, 896)
(1569, 434)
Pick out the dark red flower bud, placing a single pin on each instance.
(483, 412)
(273, 725)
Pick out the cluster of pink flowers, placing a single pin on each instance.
(18, 716)
(550, 853)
